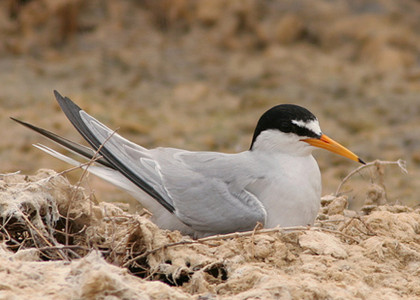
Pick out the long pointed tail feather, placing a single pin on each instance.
(109, 174)
(76, 148)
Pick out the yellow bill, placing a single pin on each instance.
(329, 144)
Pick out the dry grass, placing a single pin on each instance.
(46, 213)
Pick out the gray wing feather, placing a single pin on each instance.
(208, 190)
(213, 207)
(205, 190)
(141, 163)
(193, 182)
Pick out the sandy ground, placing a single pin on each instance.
(198, 74)
(344, 256)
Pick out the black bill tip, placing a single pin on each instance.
(361, 161)
(21, 122)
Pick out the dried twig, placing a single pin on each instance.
(60, 253)
(85, 170)
(340, 233)
(256, 228)
(400, 163)
(238, 235)
(60, 247)
(86, 164)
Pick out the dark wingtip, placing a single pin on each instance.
(361, 161)
(57, 94)
(58, 97)
(66, 103)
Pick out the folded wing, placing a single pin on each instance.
(205, 190)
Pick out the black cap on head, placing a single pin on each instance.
(280, 117)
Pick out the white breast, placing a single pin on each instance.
(290, 191)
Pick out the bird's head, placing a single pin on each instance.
(295, 130)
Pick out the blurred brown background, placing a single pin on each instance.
(198, 74)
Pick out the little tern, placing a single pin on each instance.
(276, 182)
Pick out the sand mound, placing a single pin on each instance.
(59, 243)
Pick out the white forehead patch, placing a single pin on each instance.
(312, 125)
